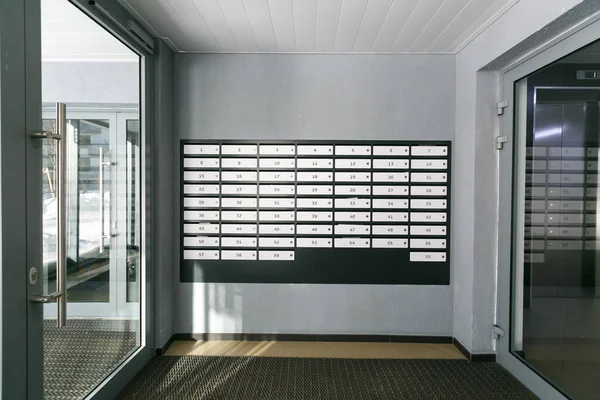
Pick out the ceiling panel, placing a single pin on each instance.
(213, 16)
(461, 24)
(418, 20)
(328, 17)
(442, 18)
(192, 25)
(350, 20)
(318, 26)
(282, 15)
(305, 23)
(239, 23)
(163, 17)
(259, 16)
(478, 23)
(396, 18)
(375, 13)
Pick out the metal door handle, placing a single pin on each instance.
(61, 242)
(102, 163)
(46, 299)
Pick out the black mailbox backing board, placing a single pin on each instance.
(306, 211)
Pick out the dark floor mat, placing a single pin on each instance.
(79, 356)
(266, 378)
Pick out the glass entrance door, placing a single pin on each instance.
(91, 204)
(552, 288)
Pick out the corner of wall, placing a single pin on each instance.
(164, 193)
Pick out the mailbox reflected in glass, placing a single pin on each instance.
(556, 229)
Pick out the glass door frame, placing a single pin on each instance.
(124, 307)
(510, 252)
(21, 217)
(117, 306)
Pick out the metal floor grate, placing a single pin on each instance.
(79, 356)
(266, 378)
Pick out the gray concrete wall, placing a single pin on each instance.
(313, 97)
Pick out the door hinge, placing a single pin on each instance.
(500, 140)
(497, 332)
(500, 106)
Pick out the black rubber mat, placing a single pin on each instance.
(79, 356)
(266, 378)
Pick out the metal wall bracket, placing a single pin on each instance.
(500, 106)
(497, 332)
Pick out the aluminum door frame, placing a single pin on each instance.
(124, 308)
(559, 47)
(20, 112)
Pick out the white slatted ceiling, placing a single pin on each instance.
(321, 26)
(328, 18)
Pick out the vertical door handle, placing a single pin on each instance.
(101, 165)
(61, 238)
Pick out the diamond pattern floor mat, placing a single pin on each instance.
(267, 378)
(79, 356)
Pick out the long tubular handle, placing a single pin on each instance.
(102, 163)
(61, 254)
(60, 136)
(101, 192)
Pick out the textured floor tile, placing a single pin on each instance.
(78, 357)
(269, 378)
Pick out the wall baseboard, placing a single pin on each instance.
(159, 351)
(479, 357)
(300, 337)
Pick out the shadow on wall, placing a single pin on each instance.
(222, 308)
